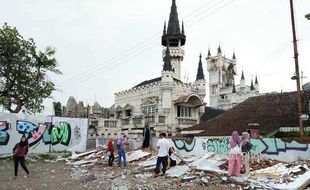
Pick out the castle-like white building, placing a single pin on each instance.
(166, 103)
(223, 92)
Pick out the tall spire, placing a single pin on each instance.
(234, 87)
(167, 61)
(173, 26)
(256, 81)
(164, 32)
(252, 86)
(209, 53)
(173, 35)
(219, 49)
(200, 75)
(242, 76)
(234, 56)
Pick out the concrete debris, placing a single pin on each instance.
(210, 170)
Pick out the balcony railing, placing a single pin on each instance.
(187, 121)
(110, 123)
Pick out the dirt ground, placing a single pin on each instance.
(58, 175)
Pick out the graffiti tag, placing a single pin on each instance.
(4, 135)
(183, 145)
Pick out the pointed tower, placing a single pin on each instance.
(200, 80)
(256, 86)
(219, 51)
(175, 39)
(242, 81)
(209, 54)
(252, 86)
(200, 75)
(167, 82)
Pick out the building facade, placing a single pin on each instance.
(166, 103)
(223, 92)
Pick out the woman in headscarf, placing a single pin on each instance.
(20, 150)
(234, 162)
(246, 147)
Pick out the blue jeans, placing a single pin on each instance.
(121, 153)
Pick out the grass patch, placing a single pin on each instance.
(46, 157)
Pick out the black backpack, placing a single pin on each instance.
(247, 147)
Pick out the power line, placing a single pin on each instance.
(81, 79)
(128, 51)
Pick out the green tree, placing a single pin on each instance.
(23, 72)
(57, 108)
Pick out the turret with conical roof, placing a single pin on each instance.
(256, 86)
(242, 81)
(200, 75)
(209, 54)
(167, 61)
(174, 36)
(252, 86)
(219, 51)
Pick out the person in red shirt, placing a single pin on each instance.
(111, 151)
(20, 150)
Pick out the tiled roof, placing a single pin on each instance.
(209, 114)
(270, 111)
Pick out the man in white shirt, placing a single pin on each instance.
(163, 146)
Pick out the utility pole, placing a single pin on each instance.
(298, 94)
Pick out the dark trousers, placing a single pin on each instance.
(146, 143)
(20, 159)
(161, 160)
(111, 159)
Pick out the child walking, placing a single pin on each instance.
(111, 151)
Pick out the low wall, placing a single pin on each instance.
(44, 133)
(273, 148)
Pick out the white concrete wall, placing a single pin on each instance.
(273, 148)
(64, 134)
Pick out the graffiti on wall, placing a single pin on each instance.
(4, 135)
(269, 146)
(185, 145)
(47, 132)
(219, 146)
(273, 146)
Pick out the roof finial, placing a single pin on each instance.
(256, 81)
(183, 32)
(234, 56)
(164, 32)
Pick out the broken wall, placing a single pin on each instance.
(44, 133)
(274, 148)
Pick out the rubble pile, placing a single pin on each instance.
(191, 172)
(255, 164)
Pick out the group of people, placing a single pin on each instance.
(120, 145)
(239, 153)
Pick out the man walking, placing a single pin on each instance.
(163, 146)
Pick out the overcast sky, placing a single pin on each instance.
(105, 46)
